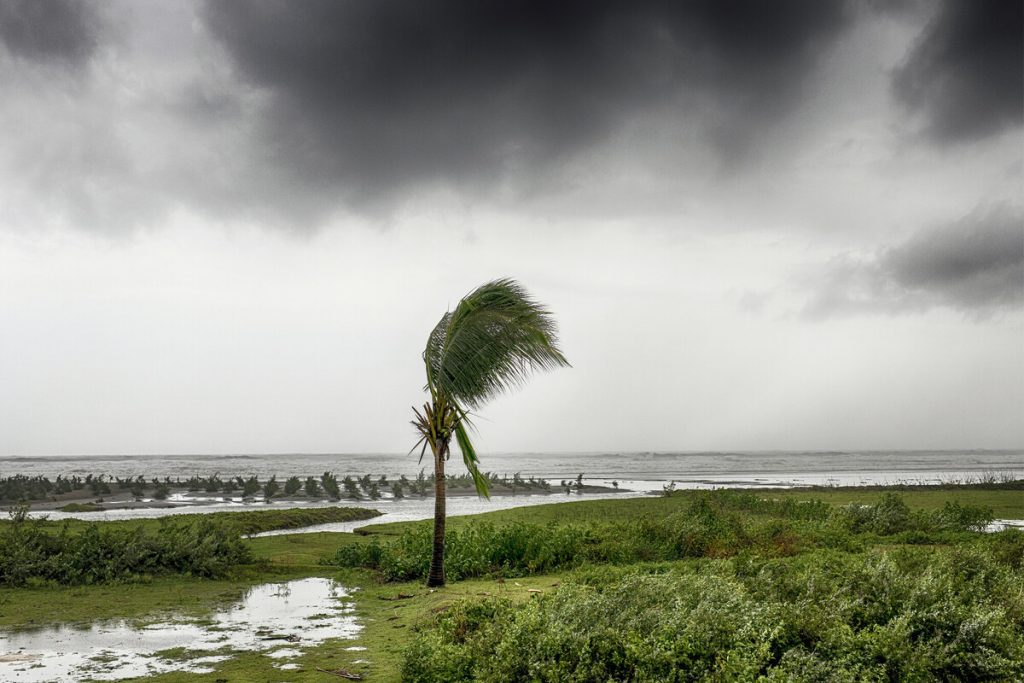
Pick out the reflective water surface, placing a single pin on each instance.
(281, 618)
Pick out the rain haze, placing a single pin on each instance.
(228, 227)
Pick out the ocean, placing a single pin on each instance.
(728, 468)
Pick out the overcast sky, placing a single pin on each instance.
(229, 226)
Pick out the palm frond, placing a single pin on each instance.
(493, 341)
(423, 426)
(433, 354)
(472, 462)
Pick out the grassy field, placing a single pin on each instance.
(391, 624)
(1006, 503)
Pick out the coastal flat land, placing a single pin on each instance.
(395, 613)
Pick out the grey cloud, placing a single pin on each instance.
(367, 99)
(976, 262)
(280, 113)
(966, 74)
(59, 31)
(975, 265)
(155, 125)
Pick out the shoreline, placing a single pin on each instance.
(183, 500)
(82, 504)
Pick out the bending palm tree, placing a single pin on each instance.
(493, 340)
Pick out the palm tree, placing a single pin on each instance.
(492, 342)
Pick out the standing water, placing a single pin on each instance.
(278, 618)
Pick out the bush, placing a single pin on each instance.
(910, 615)
(1007, 547)
(956, 517)
(891, 515)
(29, 552)
(512, 550)
(330, 485)
(312, 487)
(270, 489)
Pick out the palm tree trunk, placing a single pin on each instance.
(436, 576)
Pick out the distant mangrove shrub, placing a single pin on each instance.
(24, 489)
(33, 553)
(714, 524)
(914, 615)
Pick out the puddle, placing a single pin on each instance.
(272, 617)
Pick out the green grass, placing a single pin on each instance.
(1005, 503)
(301, 551)
(81, 507)
(30, 607)
(244, 521)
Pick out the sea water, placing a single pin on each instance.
(727, 467)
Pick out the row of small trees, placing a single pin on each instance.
(20, 488)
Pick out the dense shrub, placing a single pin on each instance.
(1007, 546)
(891, 515)
(511, 550)
(32, 553)
(714, 525)
(956, 517)
(910, 615)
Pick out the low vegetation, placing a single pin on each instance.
(727, 585)
(250, 522)
(72, 552)
(836, 584)
(31, 554)
(712, 524)
(914, 614)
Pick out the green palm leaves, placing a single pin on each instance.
(493, 341)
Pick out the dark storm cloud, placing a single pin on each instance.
(975, 265)
(966, 74)
(376, 96)
(63, 31)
